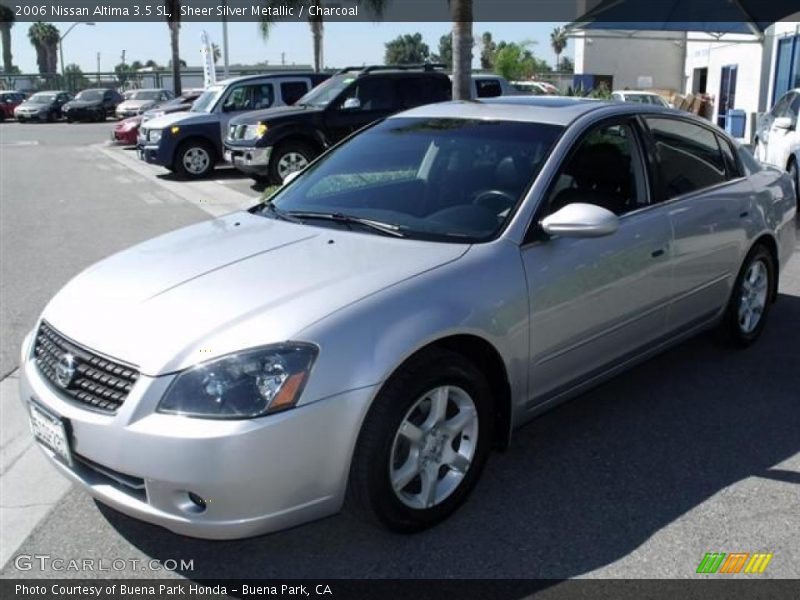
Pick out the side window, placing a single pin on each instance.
(375, 93)
(780, 108)
(488, 88)
(793, 109)
(688, 154)
(292, 91)
(731, 164)
(416, 91)
(250, 97)
(604, 169)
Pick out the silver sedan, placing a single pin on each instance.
(370, 332)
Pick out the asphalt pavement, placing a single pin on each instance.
(695, 451)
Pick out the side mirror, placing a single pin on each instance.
(291, 177)
(580, 220)
(784, 123)
(352, 104)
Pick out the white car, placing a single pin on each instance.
(777, 140)
(640, 97)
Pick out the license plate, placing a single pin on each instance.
(228, 155)
(50, 431)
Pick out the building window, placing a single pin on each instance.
(787, 66)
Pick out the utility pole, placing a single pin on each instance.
(123, 58)
(283, 58)
(225, 60)
(98, 67)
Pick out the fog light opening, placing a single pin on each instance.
(199, 503)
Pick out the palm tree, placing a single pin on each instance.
(374, 7)
(173, 9)
(558, 41)
(461, 13)
(45, 38)
(6, 23)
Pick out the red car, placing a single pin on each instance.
(125, 131)
(8, 102)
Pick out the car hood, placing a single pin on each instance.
(272, 115)
(129, 122)
(34, 105)
(229, 284)
(136, 104)
(183, 119)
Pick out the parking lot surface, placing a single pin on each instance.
(694, 451)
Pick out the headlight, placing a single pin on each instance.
(154, 135)
(243, 385)
(252, 132)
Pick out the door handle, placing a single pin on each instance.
(744, 214)
(657, 253)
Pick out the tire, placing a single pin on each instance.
(194, 159)
(289, 157)
(751, 298)
(383, 452)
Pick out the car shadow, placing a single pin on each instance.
(580, 487)
(220, 173)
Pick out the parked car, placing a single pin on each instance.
(127, 131)
(639, 97)
(141, 101)
(535, 88)
(190, 143)
(397, 309)
(9, 102)
(777, 140)
(181, 103)
(271, 144)
(491, 86)
(42, 106)
(92, 105)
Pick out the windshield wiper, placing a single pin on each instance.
(380, 226)
(279, 214)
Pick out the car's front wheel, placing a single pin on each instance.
(750, 300)
(194, 159)
(288, 158)
(424, 442)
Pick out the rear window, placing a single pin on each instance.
(689, 156)
(292, 91)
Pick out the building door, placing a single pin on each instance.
(727, 93)
(699, 79)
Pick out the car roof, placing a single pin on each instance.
(558, 110)
(267, 75)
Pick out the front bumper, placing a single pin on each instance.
(248, 159)
(124, 114)
(30, 116)
(256, 476)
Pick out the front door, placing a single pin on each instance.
(782, 141)
(371, 98)
(595, 301)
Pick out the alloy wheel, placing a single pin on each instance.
(753, 298)
(434, 447)
(196, 160)
(291, 162)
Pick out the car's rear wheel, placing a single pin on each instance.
(288, 158)
(424, 442)
(194, 159)
(750, 301)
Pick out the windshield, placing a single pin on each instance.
(90, 95)
(326, 92)
(207, 100)
(42, 98)
(439, 179)
(146, 95)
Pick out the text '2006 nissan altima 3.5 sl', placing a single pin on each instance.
(391, 314)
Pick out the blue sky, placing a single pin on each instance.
(345, 43)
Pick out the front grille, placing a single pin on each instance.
(98, 382)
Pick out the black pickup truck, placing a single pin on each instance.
(270, 144)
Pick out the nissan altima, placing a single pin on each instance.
(368, 334)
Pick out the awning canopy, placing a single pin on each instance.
(717, 17)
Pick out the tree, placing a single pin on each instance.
(136, 65)
(124, 72)
(558, 41)
(6, 23)
(74, 77)
(515, 61)
(567, 66)
(45, 38)
(374, 7)
(151, 64)
(446, 50)
(461, 14)
(407, 49)
(488, 48)
(173, 10)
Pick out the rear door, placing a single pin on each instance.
(709, 203)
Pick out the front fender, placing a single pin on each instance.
(281, 132)
(482, 294)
